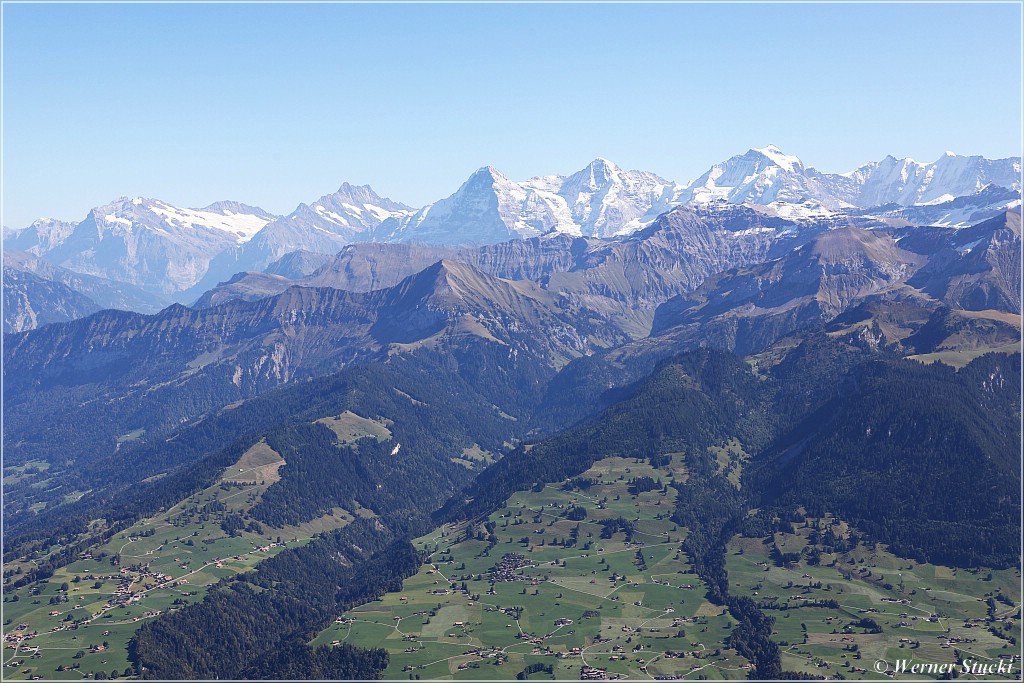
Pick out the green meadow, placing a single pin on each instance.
(844, 612)
(77, 624)
(579, 598)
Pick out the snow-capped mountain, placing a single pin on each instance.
(600, 200)
(908, 182)
(487, 208)
(176, 254)
(605, 200)
(768, 175)
(143, 242)
(323, 226)
(764, 176)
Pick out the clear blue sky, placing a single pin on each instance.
(277, 104)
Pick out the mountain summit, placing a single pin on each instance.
(144, 242)
(764, 176)
(600, 200)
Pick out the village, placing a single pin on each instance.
(78, 622)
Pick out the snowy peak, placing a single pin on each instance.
(907, 182)
(486, 208)
(485, 179)
(760, 176)
(222, 220)
(363, 195)
(597, 174)
(786, 162)
(146, 242)
(889, 181)
(228, 207)
(351, 210)
(599, 200)
(768, 176)
(353, 213)
(605, 200)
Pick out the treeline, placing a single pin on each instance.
(921, 457)
(257, 625)
(713, 509)
(691, 402)
(821, 426)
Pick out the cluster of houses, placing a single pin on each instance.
(506, 568)
(491, 652)
(899, 601)
(14, 639)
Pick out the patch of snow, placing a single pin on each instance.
(383, 214)
(111, 218)
(242, 227)
(337, 218)
(964, 248)
(941, 199)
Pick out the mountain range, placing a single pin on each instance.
(883, 287)
(764, 176)
(158, 253)
(736, 280)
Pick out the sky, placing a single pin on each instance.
(277, 104)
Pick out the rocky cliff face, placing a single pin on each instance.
(881, 285)
(31, 301)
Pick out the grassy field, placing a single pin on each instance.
(959, 359)
(921, 612)
(78, 622)
(534, 587)
(350, 427)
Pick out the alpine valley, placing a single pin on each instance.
(764, 424)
